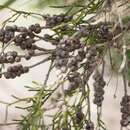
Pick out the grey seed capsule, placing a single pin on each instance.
(72, 86)
(64, 61)
(9, 35)
(32, 27)
(47, 37)
(37, 28)
(22, 29)
(14, 53)
(67, 18)
(18, 39)
(10, 59)
(7, 75)
(50, 23)
(102, 83)
(10, 69)
(79, 116)
(59, 19)
(89, 125)
(13, 75)
(124, 116)
(33, 47)
(2, 32)
(9, 53)
(25, 69)
(23, 46)
(79, 58)
(124, 123)
(31, 52)
(124, 110)
(27, 56)
(14, 27)
(98, 94)
(19, 73)
(9, 28)
(74, 68)
(17, 59)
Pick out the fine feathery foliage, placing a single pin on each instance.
(80, 42)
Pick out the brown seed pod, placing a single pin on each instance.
(17, 59)
(79, 116)
(25, 69)
(89, 125)
(27, 56)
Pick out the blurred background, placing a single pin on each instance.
(111, 105)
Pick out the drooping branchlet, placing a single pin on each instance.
(14, 71)
(99, 84)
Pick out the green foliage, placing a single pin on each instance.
(126, 19)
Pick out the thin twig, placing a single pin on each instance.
(41, 62)
(48, 73)
(89, 105)
(8, 124)
(22, 12)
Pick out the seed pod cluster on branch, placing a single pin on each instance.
(54, 20)
(98, 89)
(91, 62)
(79, 116)
(125, 110)
(14, 71)
(7, 34)
(74, 79)
(9, 57)
(64, 50)
(24, 38)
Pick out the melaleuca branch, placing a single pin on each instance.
(78, 50)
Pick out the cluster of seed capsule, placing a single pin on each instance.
(75, 61)
(26, 38)
(12, 56)
(9, 57)
(74, 79)
(69, 55)
(79, 116)
(14, 71)
(22, 37)
(98, 84)
(23, 42)
(90, 63)
(35, 28)
(125, 110)
(54, 20)
(7, 34)
(64, 53)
